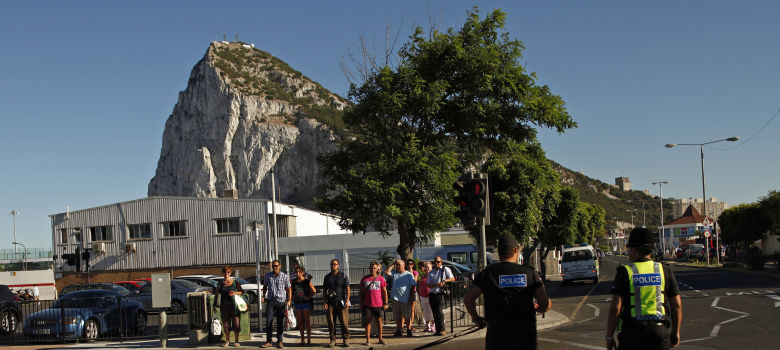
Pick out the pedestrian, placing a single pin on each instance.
(303, 296)
(335, 293)
(510, 290)
(645, 299)
(411, 267)
(36, 293)
(438, 278)
(423, 290)
(228, 313)
(402, 292)
(373, 299)
(277, 296)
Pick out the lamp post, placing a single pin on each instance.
(14, 213)
(632, 216)
(703, 188)
(662, 234)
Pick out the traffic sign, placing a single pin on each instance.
(707, 234)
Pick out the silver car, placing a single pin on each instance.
(179, 290)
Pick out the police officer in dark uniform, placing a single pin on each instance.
(646, 306)
(510, 290)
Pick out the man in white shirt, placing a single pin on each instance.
(437, 279)
(36, 292)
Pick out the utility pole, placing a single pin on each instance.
(14, 213)
(662, 234)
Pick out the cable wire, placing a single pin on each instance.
(749, 138)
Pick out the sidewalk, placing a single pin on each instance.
(320, 339)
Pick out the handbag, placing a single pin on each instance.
(240, 303)
(289, 321)
(216, 327)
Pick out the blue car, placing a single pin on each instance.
(86, 314)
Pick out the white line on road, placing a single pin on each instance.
(776, 298)
(596, 311)
(716, 328)
(557, 341)
(697, 291)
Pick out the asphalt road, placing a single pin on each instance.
(722, 309)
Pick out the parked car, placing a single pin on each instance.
(132, 286)
(203, 282)
(106, 286)
(460, 271)
(251, 290)
(10, 310)
(179, 290)
(87, 314)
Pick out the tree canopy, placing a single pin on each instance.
(454, 97)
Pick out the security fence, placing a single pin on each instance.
(119, 318)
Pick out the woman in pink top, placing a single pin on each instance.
(425, 267)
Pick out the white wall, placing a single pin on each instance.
(26, 279)
(308, 222)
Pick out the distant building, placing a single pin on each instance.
(623, 183)
(714, 208)
(685, 226)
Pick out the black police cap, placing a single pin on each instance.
(640, 237)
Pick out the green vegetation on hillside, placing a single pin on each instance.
(255, 72)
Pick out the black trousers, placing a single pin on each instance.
(650, 337)
(436, 300)
(511, 336)
(274, 310)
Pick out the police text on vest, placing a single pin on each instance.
(647, 279)
(508, 281)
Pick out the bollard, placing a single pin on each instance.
(163, 329)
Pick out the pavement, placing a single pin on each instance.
(420, 340)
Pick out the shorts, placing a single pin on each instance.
(401, 310)
(306, 305)
(372, 313)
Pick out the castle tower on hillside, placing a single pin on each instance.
(623, 183)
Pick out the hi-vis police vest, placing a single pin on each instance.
(646, 281)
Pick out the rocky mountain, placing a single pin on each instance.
(242, 113)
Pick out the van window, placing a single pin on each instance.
(459, 257)
(577, 255)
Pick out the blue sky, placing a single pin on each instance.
(86, 86)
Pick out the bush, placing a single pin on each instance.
(755, 260)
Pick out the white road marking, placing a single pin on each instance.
(584, 346)
(716, 328)
(705, 294)
(596, 311)
(697, 291)
(776, 298)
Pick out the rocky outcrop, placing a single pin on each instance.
(243, 113)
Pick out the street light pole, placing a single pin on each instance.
(662, 234)
(14, 213)
(703, 190)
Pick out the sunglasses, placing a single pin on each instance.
(277, 265)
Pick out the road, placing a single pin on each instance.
(722, 309)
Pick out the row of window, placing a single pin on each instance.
(143, 231)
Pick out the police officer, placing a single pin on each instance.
(510, 290)
(645, 300)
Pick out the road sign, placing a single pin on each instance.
(707, 231)
(707, 234)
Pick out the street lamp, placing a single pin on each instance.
(703, 191)
(662, 234)
(632, 216)
(14, 213)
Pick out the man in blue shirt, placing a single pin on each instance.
(437, 279)
(402, 293)
(277, 295)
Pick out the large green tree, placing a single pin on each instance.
(460, 92)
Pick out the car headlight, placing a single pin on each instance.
(71, 319)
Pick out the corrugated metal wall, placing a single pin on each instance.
(201, 246)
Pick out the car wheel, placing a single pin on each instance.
(91, 330)
(251, 297)
(177, 307)
(8, 321)
(139, 324)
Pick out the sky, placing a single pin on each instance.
(86, 87)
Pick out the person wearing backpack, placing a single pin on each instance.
(335, 293)
(303, 292)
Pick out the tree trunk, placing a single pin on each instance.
(406, 239)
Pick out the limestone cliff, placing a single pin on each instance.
(242, 113)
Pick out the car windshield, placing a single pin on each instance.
(577, 255)
(78, 302)
(186, 284)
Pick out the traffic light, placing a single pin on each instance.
(472, 200)
(478, 205)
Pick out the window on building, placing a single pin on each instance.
(101, 233)
(286, 225)
(76, 235)
(228, 225)
(140, 231)
(174, 228)
(64, 235)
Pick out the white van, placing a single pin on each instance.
(579, 262)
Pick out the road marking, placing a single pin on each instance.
(716, 328)
(584, 346)
(577, 309)
(705, 294)
(776, 298)
(596, 311)
(697, 291)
